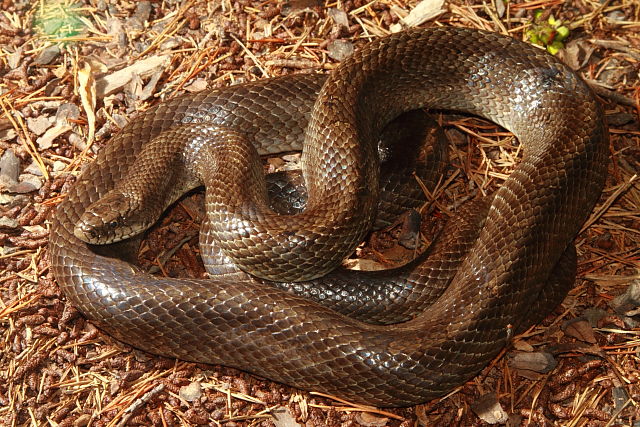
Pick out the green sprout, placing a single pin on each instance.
(550, 33)
(58, 19)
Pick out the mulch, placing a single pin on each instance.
(73, 73)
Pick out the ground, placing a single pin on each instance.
(62, 96)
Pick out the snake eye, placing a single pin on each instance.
(113, 224)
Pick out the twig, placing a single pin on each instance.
(143, 400)
(605, 92)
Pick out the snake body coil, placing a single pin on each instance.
(530, 224)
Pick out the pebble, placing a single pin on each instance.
(48, 55)
(340, 49)
(191, 392)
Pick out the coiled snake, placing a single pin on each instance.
(531, 223)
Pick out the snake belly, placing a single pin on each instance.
(531, 222)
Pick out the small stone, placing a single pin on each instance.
(47, 55)
(191, 392)
(339, 17)
(59, 165)
(615, 16)
(340, 49)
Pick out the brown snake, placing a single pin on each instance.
(502, 285)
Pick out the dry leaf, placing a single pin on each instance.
(580, 329)
(538, 362)
(87, 92)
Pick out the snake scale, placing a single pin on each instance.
(502, 285)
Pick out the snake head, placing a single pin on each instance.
(112, 218)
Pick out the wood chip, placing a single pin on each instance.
(489, 409)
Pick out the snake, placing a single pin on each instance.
(504, 282)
